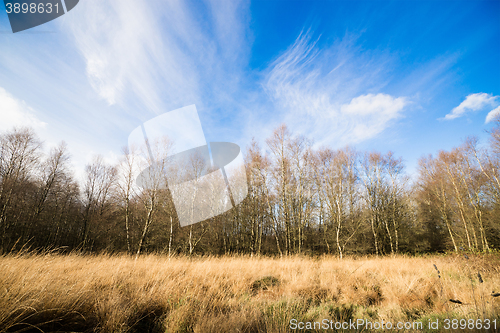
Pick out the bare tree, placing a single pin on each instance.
(53, 172)
(398, 181)
(197, 168)
(337, 179)
(155, 181)
(19, 158)
(450, 163)
(301, 186)
(435, 191)
(475, 183)
(374, 192)
(100, 178)
(258, 167)
(278, 143)
(127, 187)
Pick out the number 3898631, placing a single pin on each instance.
(31, 8)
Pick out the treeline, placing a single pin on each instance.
(300, 200)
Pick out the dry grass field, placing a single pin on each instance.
(77, 293)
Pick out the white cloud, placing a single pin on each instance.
(473, 102)
(493, 114)
(332, 94)
(16, 113)
(379, 104)
(371, 114)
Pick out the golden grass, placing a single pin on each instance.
(77, 293)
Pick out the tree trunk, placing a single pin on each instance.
(127, 213)
(149, 220)
(171, 236)
(374, 234)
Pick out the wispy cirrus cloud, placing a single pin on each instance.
(334, 93)
(147, 58)
(16, 113)
(160, 55)
(126, 54)
(473, 102)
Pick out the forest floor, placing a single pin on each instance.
(116, 293)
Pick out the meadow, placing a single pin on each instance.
(155, 293)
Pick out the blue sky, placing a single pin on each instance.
(413, 77)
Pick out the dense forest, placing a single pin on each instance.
(300, 200)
